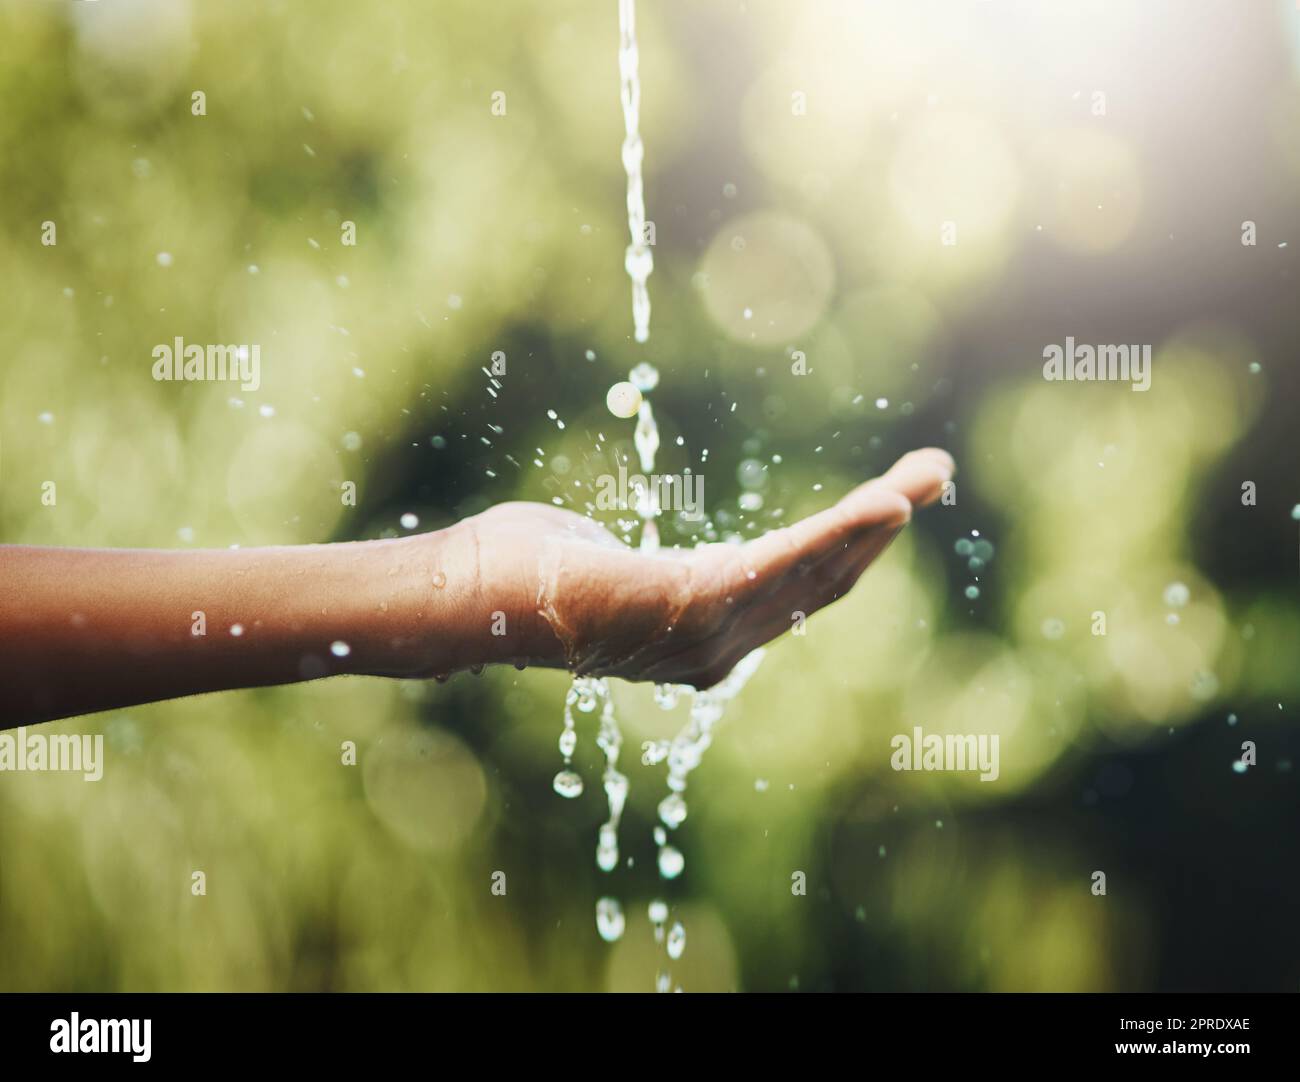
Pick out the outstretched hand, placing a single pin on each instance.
(93, 629)
(588, 602)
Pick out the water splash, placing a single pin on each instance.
(684, 752)
(687, 749)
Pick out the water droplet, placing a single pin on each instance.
(1204, 686)
(409, 521)
(882, 403)
(638, 262)
(1177, 595)
(568, 784)
(164, 259)
(623, 400)
(609, 919)
(672, 810)
(1053, 628)
(340, 649)
(568, 742)
(665, 699)
(671, 862)
(972, 592)
(615, 787)
(644, 377)
(646, 436)
(751, 474)
(676, 940)
(1239, 767)
(439, 580)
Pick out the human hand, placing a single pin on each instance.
(573, 595)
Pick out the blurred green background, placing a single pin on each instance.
(776, 231)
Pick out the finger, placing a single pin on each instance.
(806, 543)
(921, 476)
(826, 585)
(915, 479)
(765, 616)
(841, 574)
(831, 550)
(808, 565)
(918, 475)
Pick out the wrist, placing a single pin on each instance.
(437, 603)
(494, 578)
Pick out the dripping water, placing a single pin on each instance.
(684, 752)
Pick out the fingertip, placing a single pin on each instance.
(919, 475)
(940, 457)
(878, 505)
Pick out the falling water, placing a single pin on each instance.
(684, 752)
(638, 259)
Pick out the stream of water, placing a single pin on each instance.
(591, 695)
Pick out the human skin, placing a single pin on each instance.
(83, 630)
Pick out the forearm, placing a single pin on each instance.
(84, 630)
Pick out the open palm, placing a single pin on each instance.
(590, 603)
